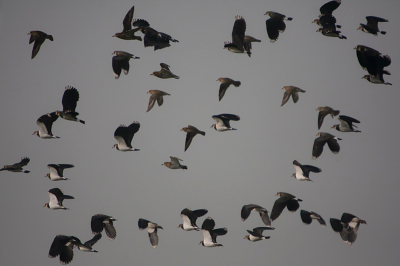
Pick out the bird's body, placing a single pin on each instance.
(191, 131)
(17, 167)
(291, 91)
(324, 111)
(124, 136)
(63, 246)
(164, 73)
(120, 62)
(151, 229)
(156, 95)
(222, 122)
(69, 101)
(225, 83)
(174, 163)
(56, 198)
(45, 122)
(331, 33)
(246, 210)
(189, 219)
(256, 234)
(153, 38)
(307, 217)
(88, 245)
(275, 24)
(56, 171)
(210, 234)
(285, 200)
(326, 19)
(320, 142)
(372, 25)
(100, 222)
(237, 44)
(38, 37)
(347, 227)
(303, 171)
(378, 79)
(346, 124)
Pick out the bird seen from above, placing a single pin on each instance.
(152, 37)
(275, 24)
(237, 44)
(38, 37)
(156, 95)
(347, 227)
(291, 91)
(326, 19)
(124, 135)
(222, 122)
(120, 61)
(225, 83)
(17, 167)
(320, 142)
(303, 171)
(285, 200)
(175, 164)
(88, 245)
(45, 122)
(56, 171)
(246, 211)
(210, 234)
(256, 234)
(69, 101)
(164, 73)
(372, 25)
(128, 33)
(189, 219)
(372, 61)
(63, 246)
(331, 33)
(56, 198)
(324, 111)
(346, 124)
(151, 229)
(100, 222)
(191, 131)
(247, 43)
(307, 217)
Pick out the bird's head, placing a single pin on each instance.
(36, 133)
(47, 205)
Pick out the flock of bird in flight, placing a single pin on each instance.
(369, 59)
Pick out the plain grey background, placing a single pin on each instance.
(225, 170)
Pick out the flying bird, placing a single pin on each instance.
(120, 61)
(285, 200)
(152, 37)
(210, 234)
(320, 142)
(331, 33)
(63, 246)
(291, 91)
(45, 122)
(324, 111)
(88, 245)
(303, 171)
(346, 124)
(189, 219)
(38, 37)
(56, 198)
(347, 227)
(124, 136)
(378, 79)
(326, 20)
(56, 171)
(69, 101)
(372, 25)
(256, 234)
(225, 83)
(191, 131)
(151, 229)
(128, 33)
(156, 95)
(174, 163)
(247, 43)
(17, 167)
(372, 61)
(237, 44)
(100, 222)
(164, 73)
(246, 210)
(222, 122)
(275, 25)
(307, 217)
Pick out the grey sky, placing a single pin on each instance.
(225, 170)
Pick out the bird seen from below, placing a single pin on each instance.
(175, 164)
(56, 171)
(56, 199)
(45, 123)
(151, 229)
(372, 25)
(303, 171)
(346, 124)
(256, 234)
(128, 33)
(164, 73)
(222, 122)
(189, 219)
(124, 135)
(210, 234)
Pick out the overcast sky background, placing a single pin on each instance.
(225, 170)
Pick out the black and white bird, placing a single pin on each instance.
(247, 43)
(100, 222)
(151, 229)
(320, 142)
(164, 72)
(210, 234)
(156, 95)
(346, 124)
(45, 122)
(222, 122)
(326, 20)
(57, 196)
(324, 111)
(88, 245)
(303, 171)
(285, 200)
(256, 234)
(124, 136)
(347, 227)
(246, 211)
(189, 219)
(275, 25)
(38, 37)
(120, 61)
(174, 163)
(291, 91)
(237, 44)
(56, 171)
(307, 217)
(17, 167)
(372, 25)
(69, 100)
(377, 79)
(191, 131)
(225, 83)
(63, 246)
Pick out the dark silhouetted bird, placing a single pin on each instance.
(156, 95)
(17, 167)
(275, 25)
(322, 139)
(323, 111)
(291, 91)
(246, 210)
(247, 43)
(285, 200)
(69, 101)
(347, 227)
(237, 44)
(307, 217)
(38, 37)
(164, 73)
(225, 83)
(191, 131)
(100, 222)
(151, 229)
(88, 245)
(120, 61)
(63, 246)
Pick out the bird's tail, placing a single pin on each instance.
(184, 167)
(383, 32)
(83, 122)
(289, 18)
(204, 133)
(236, 83)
